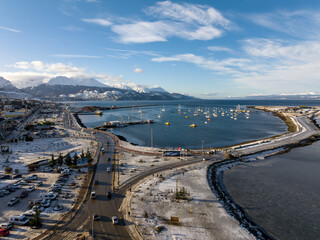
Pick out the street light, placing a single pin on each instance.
(202, 146)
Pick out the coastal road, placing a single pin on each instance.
(306, 130)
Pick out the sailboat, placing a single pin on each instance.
(193, 125)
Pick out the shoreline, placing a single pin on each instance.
(215, 176)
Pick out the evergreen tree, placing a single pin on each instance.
(68, 160)
(52, 161)
(82, 154)
(75, 159)
(36, 221)
(60, 159)
(88, 156)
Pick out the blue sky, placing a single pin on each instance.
(207, 49)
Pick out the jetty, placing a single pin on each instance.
(96, 110)
(117, 124)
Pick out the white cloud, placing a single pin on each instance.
(74, 56)
(186, 21)
(72, 28)
(304, 24)
(189, 13)
(36, 72)
(219, 49)
(10, 29)
(138, 70)
(99, 21)
(269, 65)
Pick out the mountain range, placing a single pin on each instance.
(64, 88)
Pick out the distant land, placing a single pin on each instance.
(68, 89)
(76, 89)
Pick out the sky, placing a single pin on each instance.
(211, 49)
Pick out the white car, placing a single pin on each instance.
(115, 220)
(108, 169)
(45, 203)
(19, 220)
(29, 213)
(6, 225)
(31, 188)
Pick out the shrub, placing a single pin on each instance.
(8, 170)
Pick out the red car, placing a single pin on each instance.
(4, 232)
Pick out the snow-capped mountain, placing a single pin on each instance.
(6, 84)
(90, 82)
(138, 88)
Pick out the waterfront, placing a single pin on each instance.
(217, 132)
(281, 193)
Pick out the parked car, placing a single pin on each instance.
(49, 195)
(45, 203)
(16, 186)
(31, 188)
(19, 220)
(5, 177)
(96, 182)
(24, 194)
(6, 225)
(13, 201)
(11, 189)
(5, 191)
(39, 183)
(48, 169)
(1, 194)
(29, 213)
(115, 220)
(4, 232)
(40, 209)
(23, 182)
(17, 176)
(34, 177)
(58, 208)
(108, 169)
(33, 202)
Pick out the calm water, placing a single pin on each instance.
(282, 193)
(216, 132)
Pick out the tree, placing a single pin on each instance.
(68, 159)
(36, 220)
(88, 156)
(75, 159)
(60, 159)
(52, 161)
(82, 154)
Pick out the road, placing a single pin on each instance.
(306, 130)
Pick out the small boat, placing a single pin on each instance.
(159, 116)
(98, 113)
(187, 116)
(167, 123)
(205, 122)
(193, 125)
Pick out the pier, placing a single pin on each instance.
(117, 124)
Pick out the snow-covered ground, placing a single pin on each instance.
(132, 164)
(201, 215)
(24, 153)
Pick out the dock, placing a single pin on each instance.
(117, 124)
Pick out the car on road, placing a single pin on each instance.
(96, 217)
(115, 220)
(93, 195)
(108, 169)
(4, 232)
(13, 201)
(109, 195)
